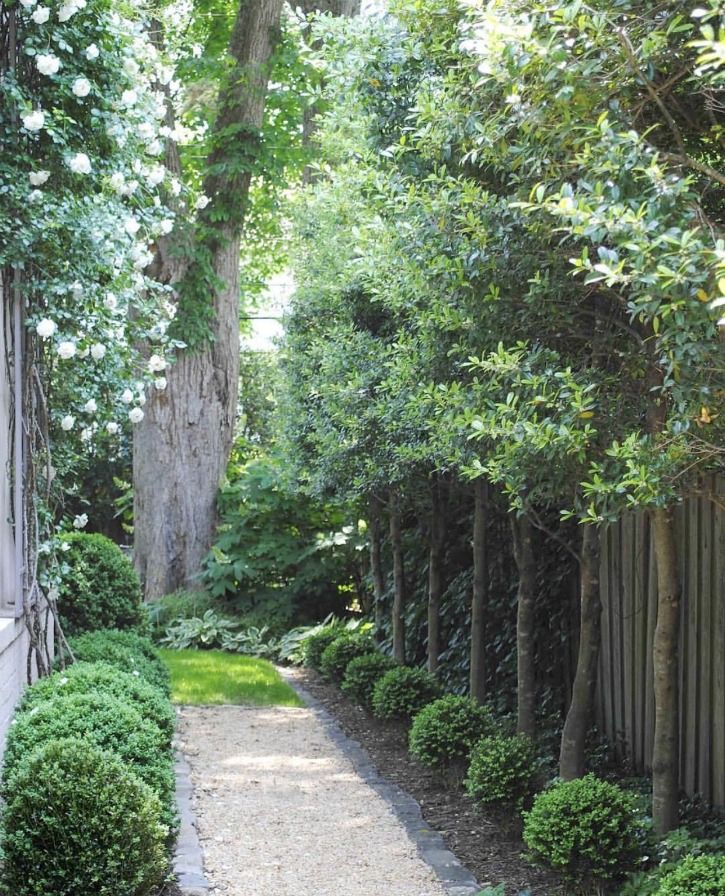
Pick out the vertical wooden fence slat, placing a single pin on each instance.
(718, 634)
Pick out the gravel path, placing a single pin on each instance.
(282, 812)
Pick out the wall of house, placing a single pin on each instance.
(13, 657)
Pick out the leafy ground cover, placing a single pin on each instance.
(213, 677)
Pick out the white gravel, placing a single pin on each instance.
(282, 812)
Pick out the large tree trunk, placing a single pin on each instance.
(479, 602)
(573, 738)
(523, 536)
(376, 561)
(666, 756)
(399, 599)
(182, 446)
(435, 575)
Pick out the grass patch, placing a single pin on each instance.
(201, 677)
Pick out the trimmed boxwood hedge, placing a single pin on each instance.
(125, 650)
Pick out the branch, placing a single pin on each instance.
(537, 521)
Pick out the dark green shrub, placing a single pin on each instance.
(502, 769)
(362, 674)
(315, 645)
(586, 828)
(125, 650)
(100, 588)
(102, 678)
(695, 876)
(446, 730)
(338, 654)
(105, 722)
(402, 692)
(77, 822)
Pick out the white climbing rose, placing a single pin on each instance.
(160, 383)
(66, 350)
(41, 15)
(81, 87)
(38, 178)
(98, 351)
(80, 163)
(127, 396)
(46, 328)
(131, 226)
(110, 301)
(47, 63)
(80, 521)
(90, 407)
(34, 121)
(92, 52)
(112, 428)
(135, 415)
(67, 422)
(157, 364)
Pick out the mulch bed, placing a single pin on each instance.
(489, 844)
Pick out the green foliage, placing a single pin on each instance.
(586, 828)
(102, 678)
(362, 673)
(207, 631)
(666, 855)
(403, 692)
(99, 586)
(695, 876)
(179, 605)
(502, 769)
(336, 656)
(445, 731)
(104, 721)
(78, 822)
(126, 650)
(316, 644)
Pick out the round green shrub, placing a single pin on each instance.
(100, 588)
(695, 876)
(315, 645)
(402, 692)
(586, 828)
(445, 730)
(102, 678)
(338, 654)
(125, 650)
(502, 769)
(77, 822)
(362, 674)
(105, 722)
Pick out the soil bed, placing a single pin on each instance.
(488, 843)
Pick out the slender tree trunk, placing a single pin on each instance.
(376, 560)
(573, 738)
(665, 756)
(399, 600)
(182, 446)
(435, 575)
(479, 603)
(523, 539)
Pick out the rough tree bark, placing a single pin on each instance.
(182, 446)
(573, 738)
(376, 560)
(522, 532)
(479, 602)
(435, 574)
(399, 599)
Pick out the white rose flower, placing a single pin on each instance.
(47, 63)
(155, 148)
(135, 415)
(66, 350)
(27, 4)
(175, 186)
(130, 66)
(142, 398)
(131, 226)
(80, 521)
(92, 52)
(81, 87)
(166, 226)
(84, 352)
(90, 407)
(127, 396)
(129, 97)
(155, 175)
(112, 428)
(41, 15)
(67, 423)
(157, 364)
(110, 301)
(202, 201)
(130, 188)
(86, 434)
(160, 383)
(67, 11)
(117, 181)
(38, 178)
(146, 130)
(98, 351)
(80, 163)
(35, 195)
(46, 328)
(34, 121)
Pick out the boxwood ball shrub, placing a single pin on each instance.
(502, 769)
(124, 650)
(315, 645)
(102, 678)
(404, 691)
(104, 722)
(100, 589)
(586, 828)
(362, 674)
(78, 822)
(445, 730)
(695, 876)
(338, 654)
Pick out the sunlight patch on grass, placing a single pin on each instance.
(200, 677)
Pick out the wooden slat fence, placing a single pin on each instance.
(625, 698)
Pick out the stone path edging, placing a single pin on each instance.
(456, 879)
(188, 857)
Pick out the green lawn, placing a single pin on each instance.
(201, 677)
